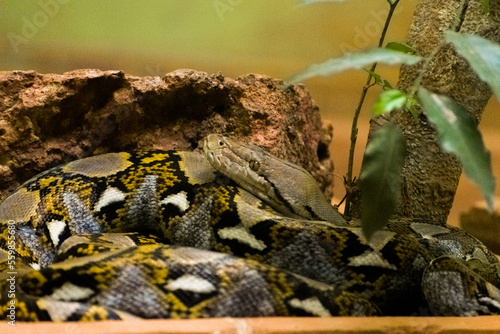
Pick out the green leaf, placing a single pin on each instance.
(379, 80)
(375, 76)
(459, 135)
(389, 101)
(412, 104)
(380, 179)
(401, 47)
(354, 61)
(482, 55)
(387, 85)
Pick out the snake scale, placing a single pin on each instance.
(232, 232)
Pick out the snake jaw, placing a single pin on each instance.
(271, 179)
(233, 160)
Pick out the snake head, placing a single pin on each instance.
(287, 188)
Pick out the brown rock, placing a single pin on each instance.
(484, 225)
(49, 119)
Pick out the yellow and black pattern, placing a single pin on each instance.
(165, 235)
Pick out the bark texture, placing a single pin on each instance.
(49, 119)
(430, 175)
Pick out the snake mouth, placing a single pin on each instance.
(270, 179)
(238, 161)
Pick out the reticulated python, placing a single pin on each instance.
(234, 232)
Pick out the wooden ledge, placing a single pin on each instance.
(441, 325)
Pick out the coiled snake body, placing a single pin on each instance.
(234, 232)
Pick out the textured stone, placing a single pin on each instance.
(49, 119)
(484, 225)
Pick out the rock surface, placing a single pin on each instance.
(484, 225)
(49, 119)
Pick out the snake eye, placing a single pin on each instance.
(221, 143)
(254, 165)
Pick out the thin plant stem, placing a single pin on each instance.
(354, 128)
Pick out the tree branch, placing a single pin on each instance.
(430, 175)
(354, 128)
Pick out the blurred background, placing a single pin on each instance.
(233, 37)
